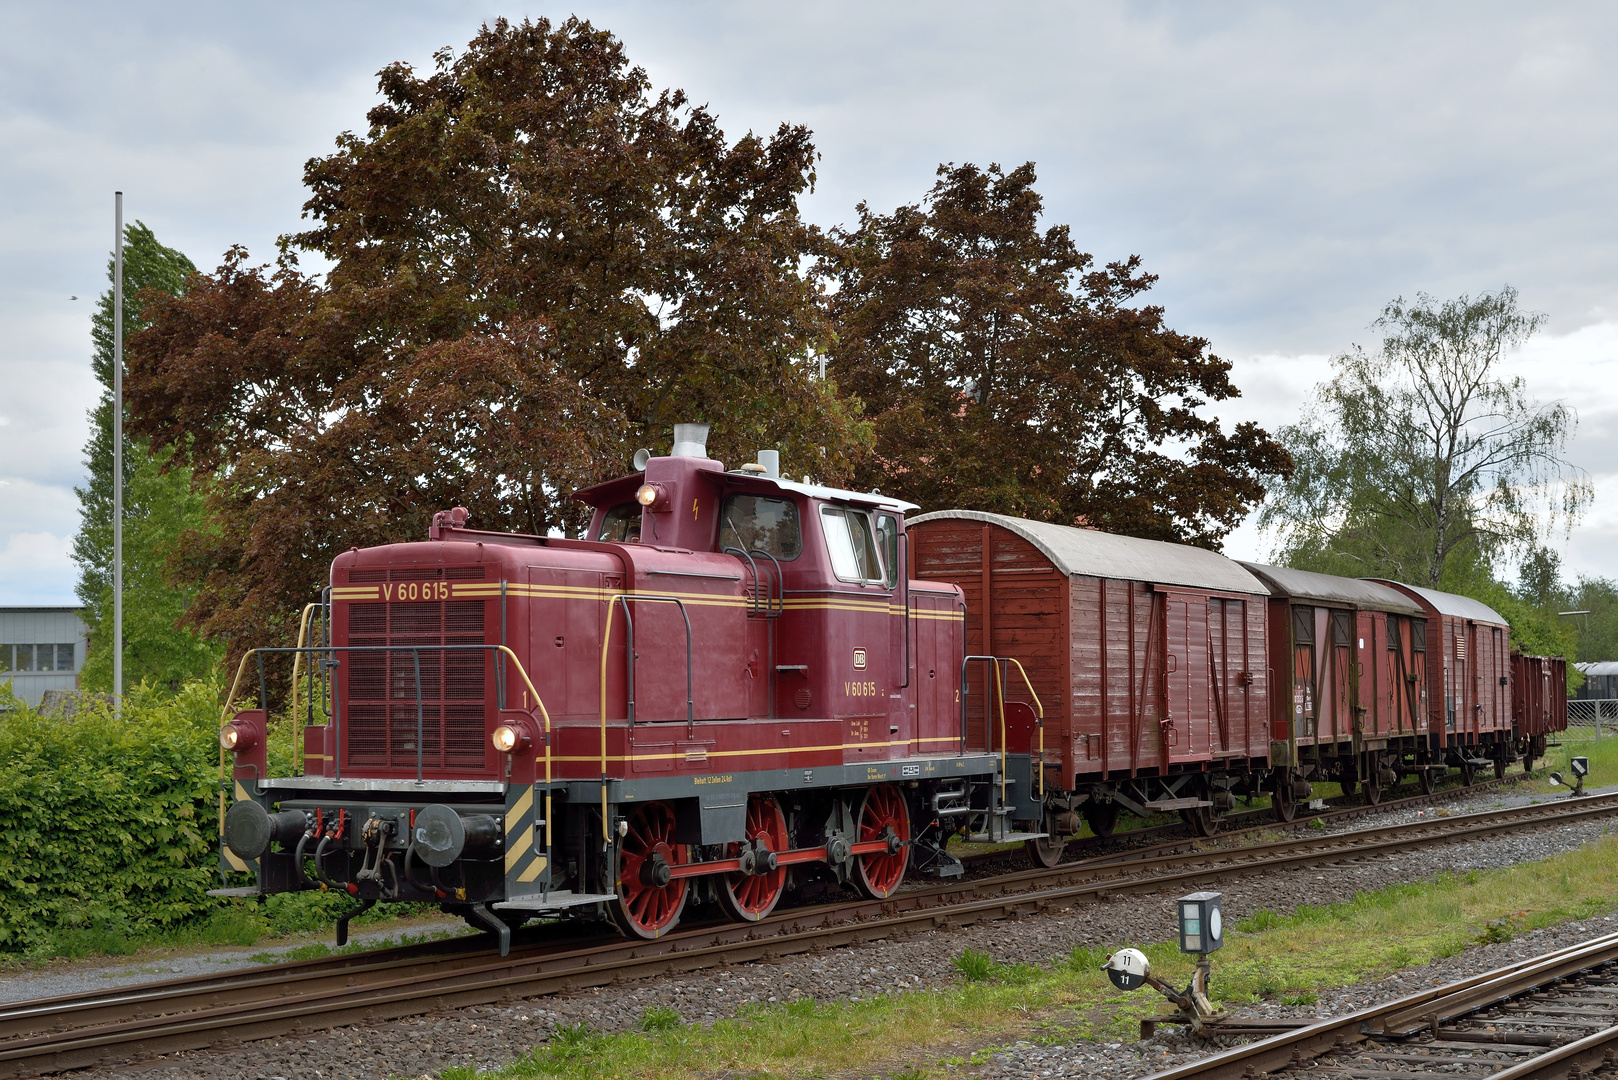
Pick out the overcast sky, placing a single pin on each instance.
(1286, 169)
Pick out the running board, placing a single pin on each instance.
(555, 900)
(1177, 804)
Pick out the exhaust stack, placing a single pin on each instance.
(690, 440)
(771, 460)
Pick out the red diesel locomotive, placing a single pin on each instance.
(728, 686)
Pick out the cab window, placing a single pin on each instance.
(850, 544)
(755, 523)
(621, 524)
(887, 540)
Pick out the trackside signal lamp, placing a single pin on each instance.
(1580, 767)
(1202, 924)
(1202, 930)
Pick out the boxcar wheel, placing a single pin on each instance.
(877, 875)
(1372, 786)
(1427, 779)
(646, 907)
(1500, 767)
(750, 897)
(1049, 851)
(1528, 760)
(1282, 802)
(1102, 818)
(1468, 774)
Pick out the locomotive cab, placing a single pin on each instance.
(729, 687)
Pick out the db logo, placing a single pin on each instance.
(859, 659)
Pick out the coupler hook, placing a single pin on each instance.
(495, 923)
(342, 922)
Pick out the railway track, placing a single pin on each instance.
(160, 1018)
(1552, 1018)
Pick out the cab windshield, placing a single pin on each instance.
(850, 544)
(753, 523)
(621, 524)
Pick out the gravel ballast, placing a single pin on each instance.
(491, 1035)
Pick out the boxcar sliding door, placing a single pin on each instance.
(1186, 728)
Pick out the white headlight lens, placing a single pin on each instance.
(647, 495)
(229, 736)
(505, 739)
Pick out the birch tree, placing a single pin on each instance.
(1423, 459)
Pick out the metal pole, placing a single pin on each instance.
(118, 457)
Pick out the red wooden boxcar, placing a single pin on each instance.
(1538, 702)
(1348, 663)
(1468, 680)
(1149, 659)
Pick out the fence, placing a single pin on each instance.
(1591, 718)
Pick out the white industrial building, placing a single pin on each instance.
(41, 648)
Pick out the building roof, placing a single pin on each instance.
(1333, 591)
(1090, 553)
(1461, 607)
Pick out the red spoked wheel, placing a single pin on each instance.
(878, 874)
(649, 903)
(750, 897)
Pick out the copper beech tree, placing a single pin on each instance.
(1004, 371)
(536, 265)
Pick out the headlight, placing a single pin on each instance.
(239, 735)
(653, 496)
(513, 738)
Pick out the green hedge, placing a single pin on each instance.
(104, 818)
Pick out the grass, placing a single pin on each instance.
(95, 931)
(1286, 956)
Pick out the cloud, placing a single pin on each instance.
(36, 570)
(1286, 170)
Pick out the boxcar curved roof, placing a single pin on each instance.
(1089, 553)
(1461, 607)
(1331, 590)
(1599, 667)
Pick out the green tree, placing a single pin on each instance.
(160, 504)
(1421, 462)
(1002, 370)
(1598, 629)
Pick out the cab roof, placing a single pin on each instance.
(622, 490)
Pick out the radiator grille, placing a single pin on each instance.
(382, 686)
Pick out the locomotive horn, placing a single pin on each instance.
(640, 459)
(249, 828)
(442, 835)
